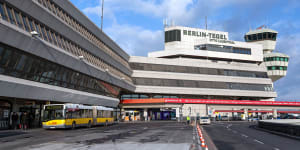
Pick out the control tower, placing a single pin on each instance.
(275, 62)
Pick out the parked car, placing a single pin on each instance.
(253, 119)
(204, 120)
(224, 118)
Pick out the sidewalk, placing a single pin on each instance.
(11, 132)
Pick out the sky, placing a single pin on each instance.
(137, 26)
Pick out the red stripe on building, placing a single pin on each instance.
(209, 101)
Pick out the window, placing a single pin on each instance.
(53, 8)
(44, 3)
(269, 35)
(274, 36)
(286, 59)
(31, 25)
(44, 34)
(281, 59)
(2, 12)
(28, 65)
(254, 37)
(58, 41)
(249, 37)
(19, 21)
(25, 23)
(10, 15)
(5, 58)
(38, 30)
(54, 38)
(48, 35)
(264, 35)
(14, 60)
(20, 65)
(259, 37)
(173, 35)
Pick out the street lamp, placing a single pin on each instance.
(81, 57)
(34, 33)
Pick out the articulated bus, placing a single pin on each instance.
(76, 115)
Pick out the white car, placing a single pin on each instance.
(204, 120)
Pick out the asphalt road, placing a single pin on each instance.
(123, 136)
(242, 136)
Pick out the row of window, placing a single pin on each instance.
(146, 96)
(173, 35)
(277, 68)
(80, 113)
(88, 113)
(221, 48)
(27, 23)
(261, 36)
(56, 10)
(196, 70)
(16, 63)
(286, 59)
(201, 84)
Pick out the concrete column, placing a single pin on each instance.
(275, 113)
(246, 114)
(146, 114)
(122, 114)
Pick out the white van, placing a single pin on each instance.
(204, 120)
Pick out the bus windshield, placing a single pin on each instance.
(53, 112)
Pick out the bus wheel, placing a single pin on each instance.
(90, 124)
(73, 125)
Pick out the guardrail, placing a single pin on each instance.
(287, 128)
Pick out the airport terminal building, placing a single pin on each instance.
(51, 53)
(201, 65)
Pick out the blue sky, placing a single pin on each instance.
(137, 25)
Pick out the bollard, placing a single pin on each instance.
(202, 144)
(206, 148)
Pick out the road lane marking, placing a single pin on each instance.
(243, 135)
(276, 148)
(260, 142)
(234, 131)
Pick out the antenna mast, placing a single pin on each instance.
(102, 16)
(206, 22)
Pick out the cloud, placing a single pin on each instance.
(288, 87)
(136, 40)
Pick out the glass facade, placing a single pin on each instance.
(201, 84)
(196, 70)
(16, 63)
(172, 35)
(261, 36)
(225, 49)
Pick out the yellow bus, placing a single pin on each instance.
(76, 115)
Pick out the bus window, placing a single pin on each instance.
(53, 112)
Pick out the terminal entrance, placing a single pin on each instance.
(150, 114)
(5, 110)
(162, 114)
